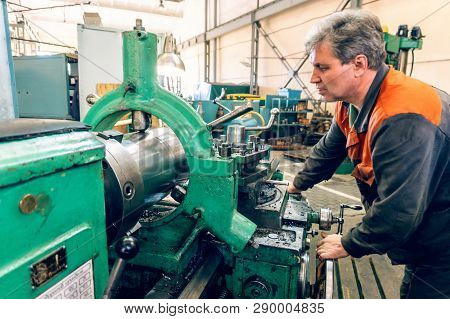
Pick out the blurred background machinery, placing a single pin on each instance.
(399, 46)
(295, 125)
(47, 86)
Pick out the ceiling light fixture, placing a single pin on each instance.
(169, 63)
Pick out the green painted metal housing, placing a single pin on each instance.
(62, 173)
(211, 197)
(267, 272)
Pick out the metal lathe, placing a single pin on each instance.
(87, 212)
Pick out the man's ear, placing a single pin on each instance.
(361, 65)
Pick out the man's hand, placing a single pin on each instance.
(293, 190)
(330, 247)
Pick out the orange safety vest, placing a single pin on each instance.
(398, 94)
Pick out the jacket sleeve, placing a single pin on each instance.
(403, 158)
(324, 159)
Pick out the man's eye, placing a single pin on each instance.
(323, 68)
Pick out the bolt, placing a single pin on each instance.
(256, 292)
(243, 150)
(28, 204)
(139, 26)
(225, 150)
(254, 244)
(197, 212)
(128, 190)
(251, 146)
(216, 142)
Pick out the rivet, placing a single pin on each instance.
(28, 204)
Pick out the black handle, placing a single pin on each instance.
(126, 248)
(340, 220)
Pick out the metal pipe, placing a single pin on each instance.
(222, 106)
(114, 277)
(274, 112)
(126, 249)
(403, 60)
(220, 97)
(231, 116)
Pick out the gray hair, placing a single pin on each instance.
(350, 32)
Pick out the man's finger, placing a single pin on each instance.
(324, 256)
(293, 190)
(322, 249)
(322, 242)
(324, 235)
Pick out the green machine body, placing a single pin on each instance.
(52, 217)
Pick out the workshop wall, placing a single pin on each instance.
(287, 30)
(59, 24)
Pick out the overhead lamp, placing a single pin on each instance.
(169, 63)
(161, 4)
(170, 66)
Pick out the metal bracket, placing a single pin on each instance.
(293, 73)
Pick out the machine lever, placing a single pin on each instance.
(126, 248)
(221, 96)
(231, 116)
(340, 219)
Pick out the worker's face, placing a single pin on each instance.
(334, 81)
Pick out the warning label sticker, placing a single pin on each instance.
(78, 285)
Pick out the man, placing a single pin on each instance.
(399, 144)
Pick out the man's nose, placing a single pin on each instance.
(314, 77)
